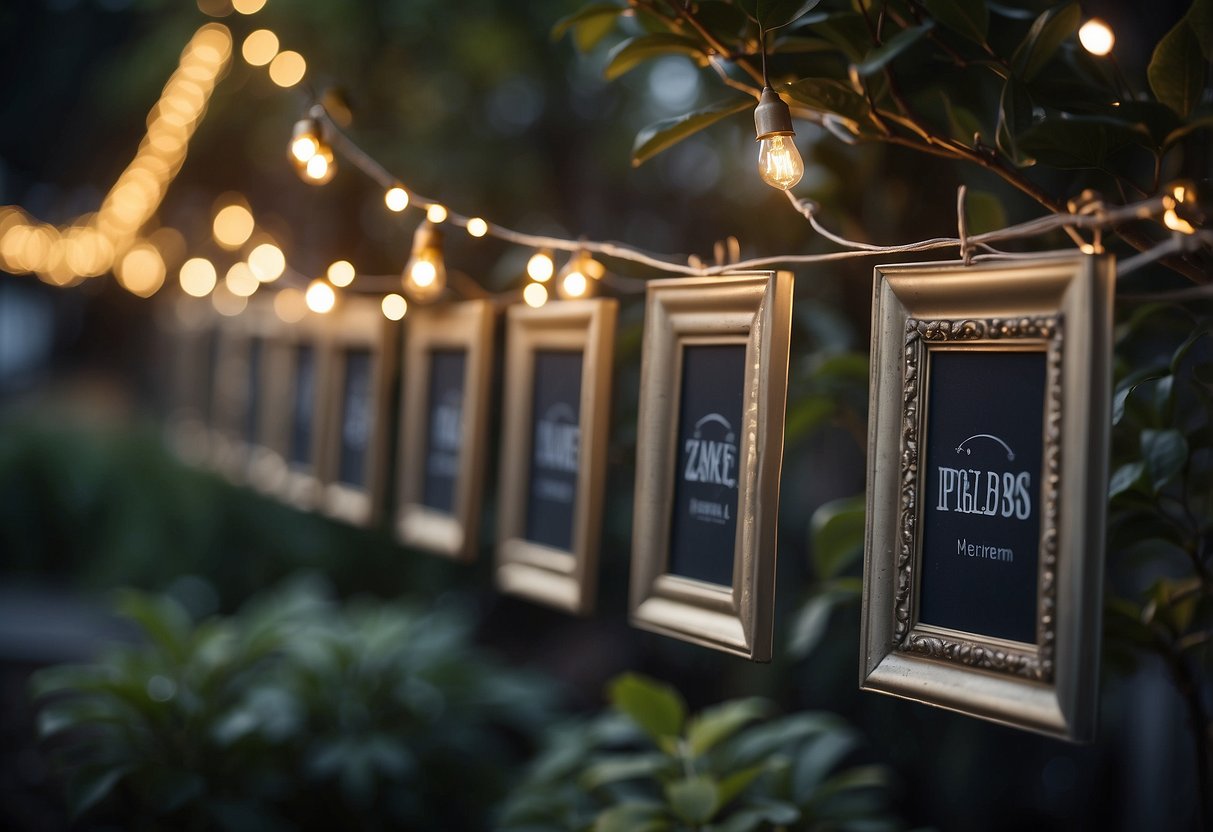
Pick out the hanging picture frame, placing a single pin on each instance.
(556, 418)
(193, 344)
(987, 484)
(444, 416)
(709, 450)
(361, 355)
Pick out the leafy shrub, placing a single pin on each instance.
(647, 766)
(294, 713)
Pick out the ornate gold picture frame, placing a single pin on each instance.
(558, 362)
(709, 451)
(362, 354)
(987, 475)
(444, 416)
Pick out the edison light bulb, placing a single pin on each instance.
(305, 140)
(425, 273)
(779, 162)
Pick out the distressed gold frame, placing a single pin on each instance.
(358, 323)
(566, 579)
(751, 308)
(1063, 308)
(467, 326)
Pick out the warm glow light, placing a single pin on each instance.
(535, 295)
(574, 284)
(198, 277)
(1096, 37)
(233, 226)
(396, 199)
(267, 262)
(321, 167)
(394, 307)
(1175, 222)
(436, 213)
(341, 273)
(779, 162)
(477, 227)
(305, 147)
(240, 280)
(541, 267)
(290, 306)
(320, 297)
(141, 270)
(260, 47)
(248, 6)
(226, 303)
(287, 68)
(423, 273)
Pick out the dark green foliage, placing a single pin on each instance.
(295, 713)
(732, 768)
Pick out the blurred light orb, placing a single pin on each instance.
(288, 68)
(423, 273)
(267, 262)
(248, 6)
(198, 277)
(436, 213)
(141, 270)
(394, 307)
(541, 267)
(305, 147)
(259, 47)
(535, 295)
(226, 303)
(477, 227)
(233, 226)
(320, 168)
(290, 306)
(396, 199)
(1096, 37)
(574, 285)
(240, 280)
(320, 297)
(341, 273)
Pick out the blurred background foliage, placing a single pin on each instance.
(483, 104)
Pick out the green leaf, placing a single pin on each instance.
(772, 14)
(817, 760)
(629, 767)
(1177, 69)
(1204, 122)
(737, 782)
(666, 133)
(1200, 18)
(809, 624)
(589, 25)
(1014, 119)
(1048, 32)
(655, 707)
(837, 530)
(634, 816)
(722, 721)
(969, 18)
(632, 52)
(163, 619)
(1126, 477)
(1076, 142)
(90, 785)
(694, 799)
(879, 57)
(1130, 383)
(830, 97)
(1165, 452)
(1183, 349)
(848, 32)
(760, 742)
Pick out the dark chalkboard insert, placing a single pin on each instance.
(980, 497)
(555, 448)
(444, 428)
(357, 417)
(303, 398)
(703, 526)
(252, 399)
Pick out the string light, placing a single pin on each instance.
(535, 295)
(233, 225)
(320, 297)
(241, 281)
(541, 266)
(141, 270)
(226, 303)
(341, 273)
(306, 139)
(394, 307)
(287, 69)
(198, 277)
(267, 262)
(260, 47)
(436, 213)
(248, 6)
(425, 273)
(396, 198)
(1181, 207)
(290, 305)
(779, 162)
(477, 227)
(1096, 37)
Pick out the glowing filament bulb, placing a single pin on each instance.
(304, 147)
(541, 267)
(320, 297)
(535, 295)
(425, 273)
(1096, 37)
(320, 168)
(779, 162)
(396, 199)
(574, 285)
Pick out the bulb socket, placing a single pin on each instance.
(772, 116)
(427, 236)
